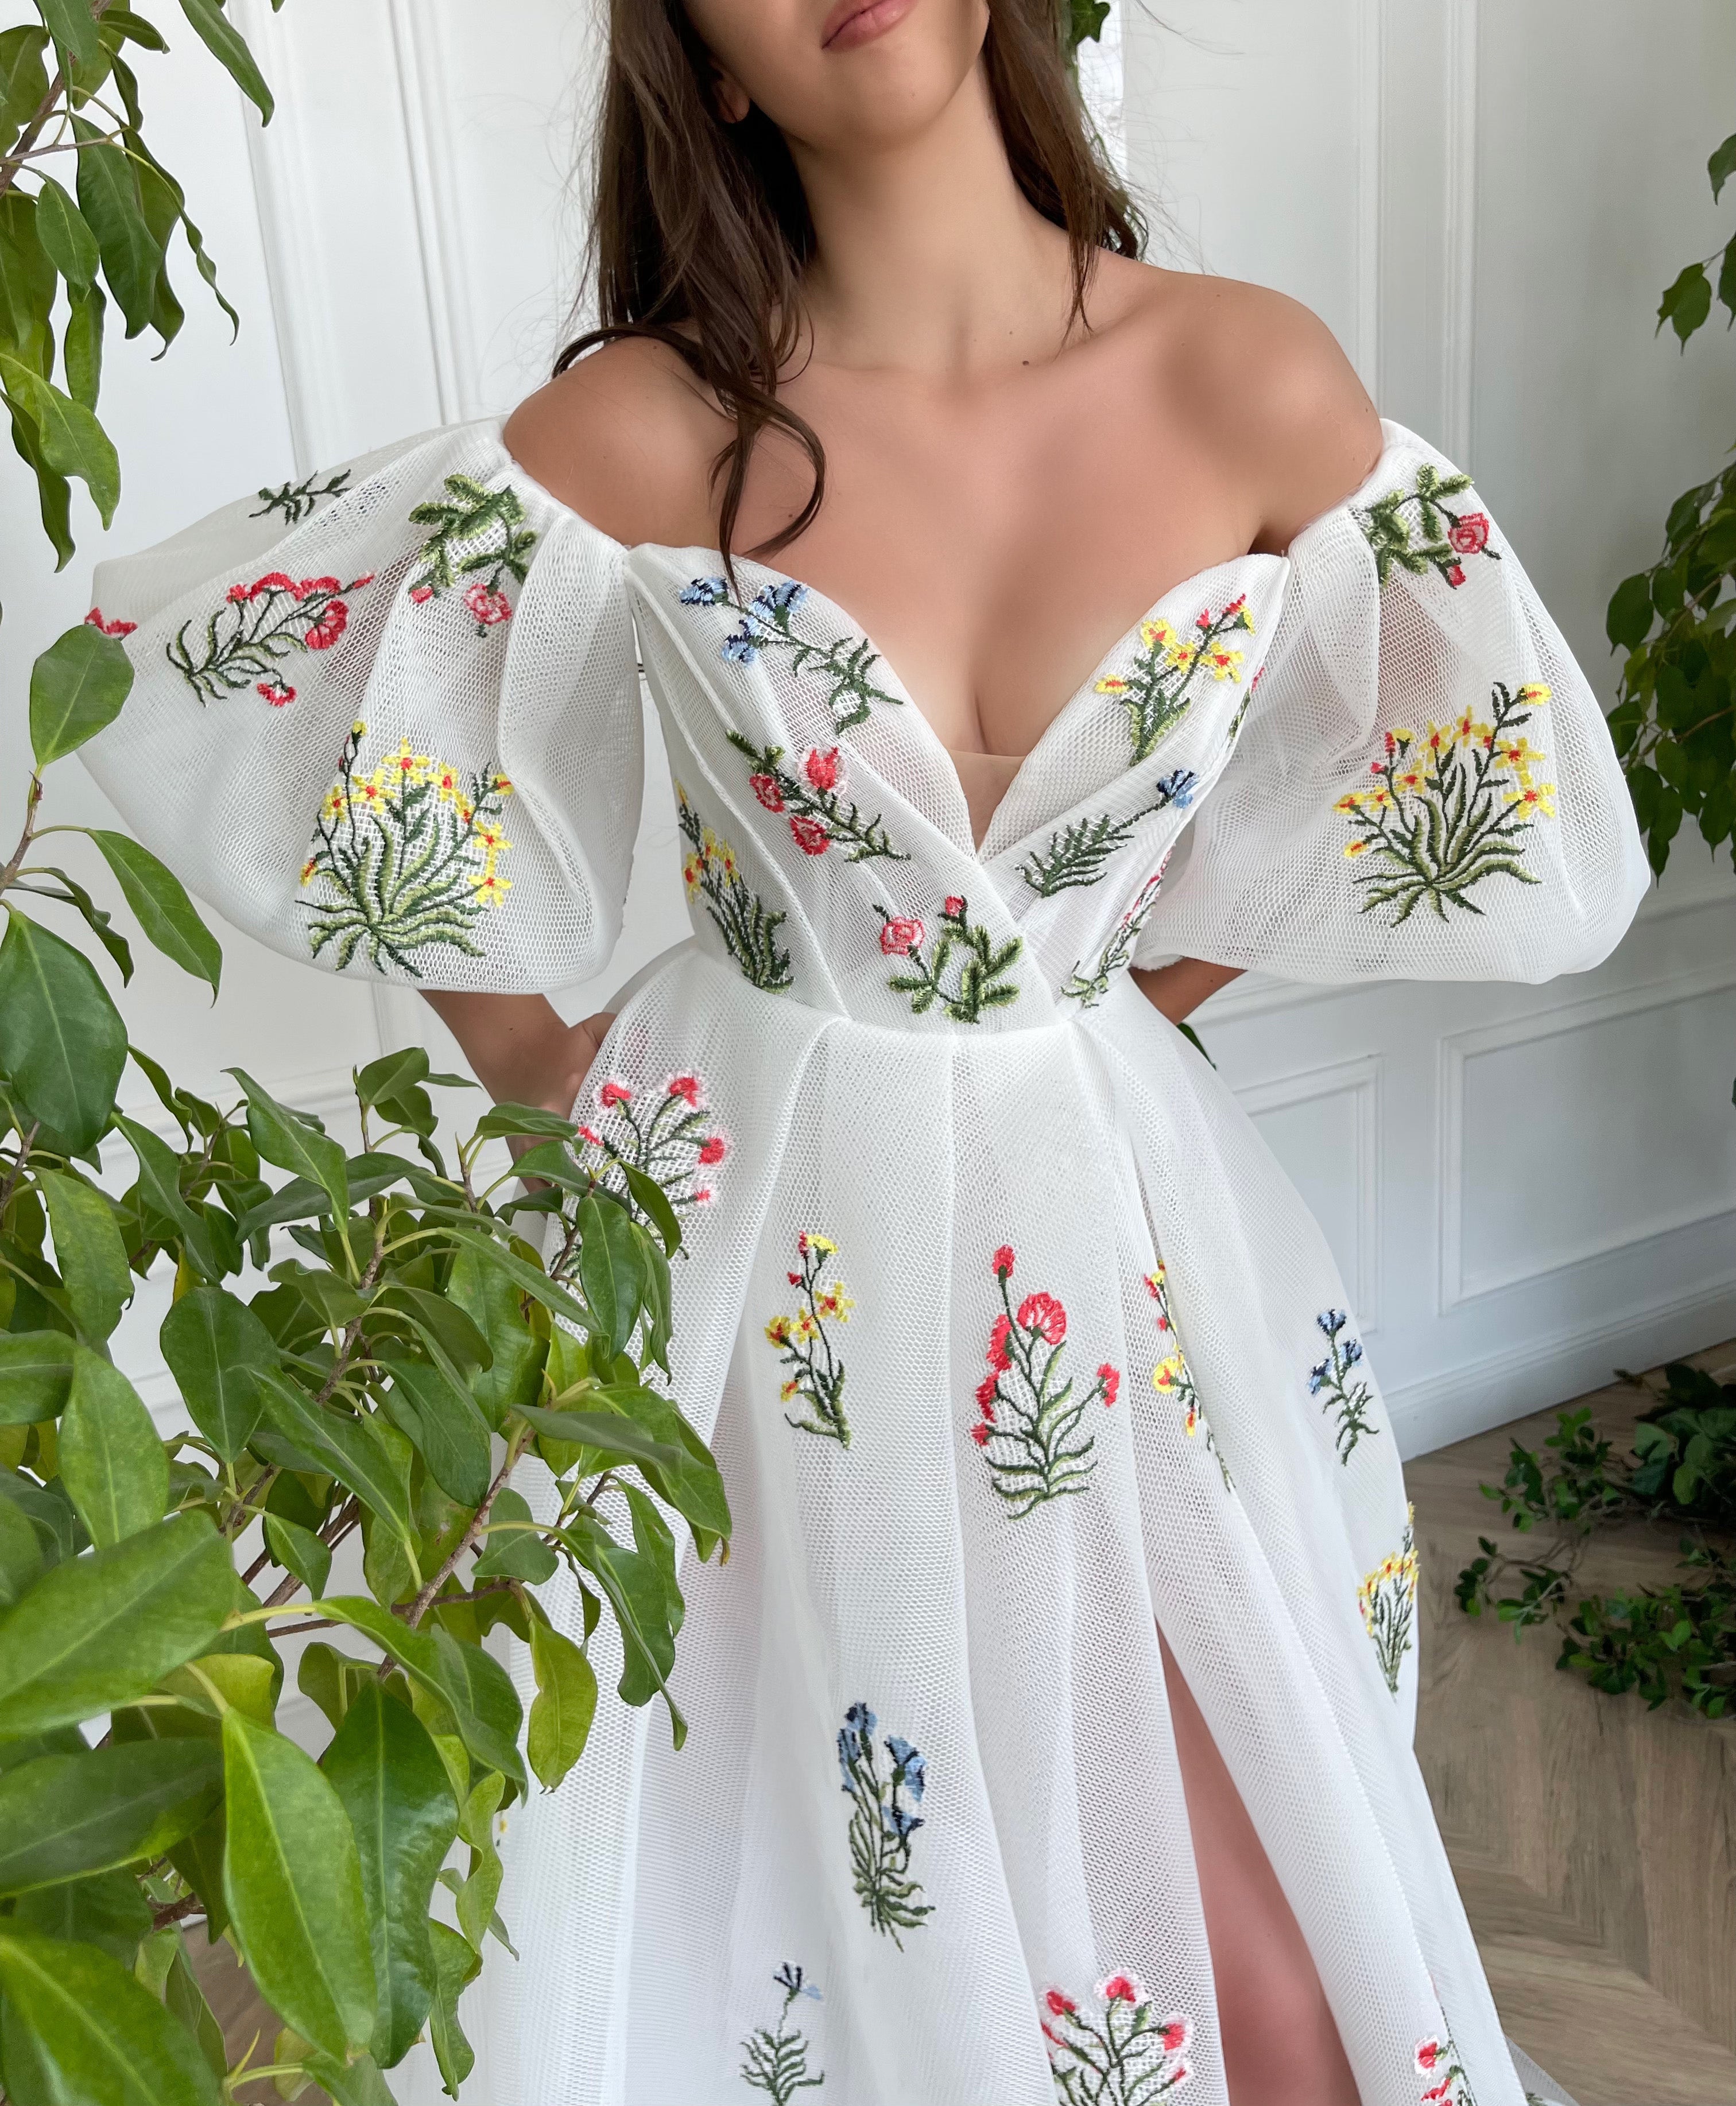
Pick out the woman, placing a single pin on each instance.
(1071, 1536)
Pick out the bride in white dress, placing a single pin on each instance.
(1051, 1722)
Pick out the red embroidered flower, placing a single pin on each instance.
(1428, 2054)
(1122, 1989)
(308, 586)
(330, 627)
(614, 1093)
(1002, 1262)
(979, 1433)
(899, 936)
(236, 594)
(1060, 2006)
(277, 693)
(273, 581)
(793, 1277)
(999, 1358)
(595, 1139)
(1175, 2033)
(421, 594)
(1205, 618)
(987, 1390)
(702, 1197)
(952, 906)
(488, 607)
(801, 1240)
(822, 770)
(1454, 574)
(811, 836)
(110, 627)
(1469, 535)
(715, 1149)
(765, 788)
(1041, 1312)
(688, 1087)
(1110, 1379)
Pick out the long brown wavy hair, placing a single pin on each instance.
(700, 229)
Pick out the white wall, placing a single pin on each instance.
(1524, 1185)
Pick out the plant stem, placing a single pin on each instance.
(9, 1184)
(478, 1520)
(14, 161)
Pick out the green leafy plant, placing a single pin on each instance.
(1673, 723)
(368, 1347)
(1664, 1642)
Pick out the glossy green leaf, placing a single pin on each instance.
(100, 1631)
(1722, 165)
(81, 345)
(105, 2037)
(90, 1251)
(20, 1554)
(217, 1349)
(73, 28)
(228, 46)
(508, 1120)
(446, 1425)
(67, 889)
(529, 1279)
(298, 1550)
(456, 1965)
(65, 1816)
(187, 2000)
(514, 1553)
(289, 1141)
(62, 1043)
(610, 1270)
(484, 1704)
(653, 1201)
(159, 1181)
(112, 1460)
(386, 1772)
(76, 686)
(107, 1911)
(28, 285)
(53, 491)
(60, 227)
(59, 1531)
(109, 198)
(35, 1376)
(24, 80)
(292, 1882)
(608, 1431)
(1686, 302)
(563, 1707)
(71, 439)
(369, 1457)
(159, 902)
(494, 1304)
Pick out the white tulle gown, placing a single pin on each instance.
(1012, 1339)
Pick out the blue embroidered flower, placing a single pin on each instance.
(1332, 1321)
(780, 597)
(793, 1979)
(1330, 1380)
(846, 663)
(740, 648)
(856, 1742)
(704, 592)
(1316, 1378)
(883, 1819)
(1177, 787)
(912, 1769)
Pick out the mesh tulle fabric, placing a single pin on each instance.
(1032, 1156)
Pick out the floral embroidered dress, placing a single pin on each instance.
(1012, 1339)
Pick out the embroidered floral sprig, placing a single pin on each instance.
(1027, 1419)
(669, 1137)
(1440, 539)
(257, 626)
(805, 1347)
(1448, 2082)
(1157, 688)
(1387, 1599)
(1077, 854)
(846, 664)
(777, 2061)
(1329, 1379)
(297, 500)
(1088, 989)
(479, 534)
(1172, 1377)
(405, 858)
(882, 1822)
(814, 802)
(1449, 809)
(1126, 2057)
(978, 966)
(747, 925)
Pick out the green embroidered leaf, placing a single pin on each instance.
(78, 686)
(62, 1043)
(94, 2032)
(35, 1376)
(71, 440)
(160, 901)
(90, 1250)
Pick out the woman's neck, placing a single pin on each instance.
(928, 258)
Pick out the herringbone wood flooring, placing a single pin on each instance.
(1592, 1838)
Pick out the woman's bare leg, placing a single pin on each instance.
(1278, 2038)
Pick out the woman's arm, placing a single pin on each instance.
(523, 1052)
(1178, 990)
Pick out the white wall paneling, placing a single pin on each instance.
(1525, 1186)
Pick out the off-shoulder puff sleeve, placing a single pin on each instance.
(1423, 786)
(387, 720)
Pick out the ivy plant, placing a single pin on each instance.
(1674, 721)
(1676, 1641)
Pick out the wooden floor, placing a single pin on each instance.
(1592, 1838)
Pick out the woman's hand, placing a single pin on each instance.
(522, 1051)
(1178, 990)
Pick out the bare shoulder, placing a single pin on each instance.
(1270, 386)
(625, 438)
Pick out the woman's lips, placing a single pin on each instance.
(860, 21)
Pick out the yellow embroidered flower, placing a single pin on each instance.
(1519, 755)
(1191, 1424)
(444, 777)
(778, 1330)
(503, 783)
(787, 1390)
(1181, 655)
(692, 869)
(726, 859)
(1481, 734)
(1534, 692)
(1413, 780)
(1352, 849)
(1400, 736)
(307, 870)
(1156, 634)
(1225, 665)
(1112, 684)
(1351, 801)
(404, 766)
(359, 728)
(835, 1301)
(1379, 799)
(1169, 1375)
(1538, 799)
(492, 839)
(819, 1243)
(805, 1327)
(490, 887)
(1441, 739)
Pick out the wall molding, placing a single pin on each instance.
(1360, 1079)
(1370, 43)
(425, 110)
(1458, 1049)
(1459, 247)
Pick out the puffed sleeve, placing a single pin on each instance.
(1423, 786)
(388, 719)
